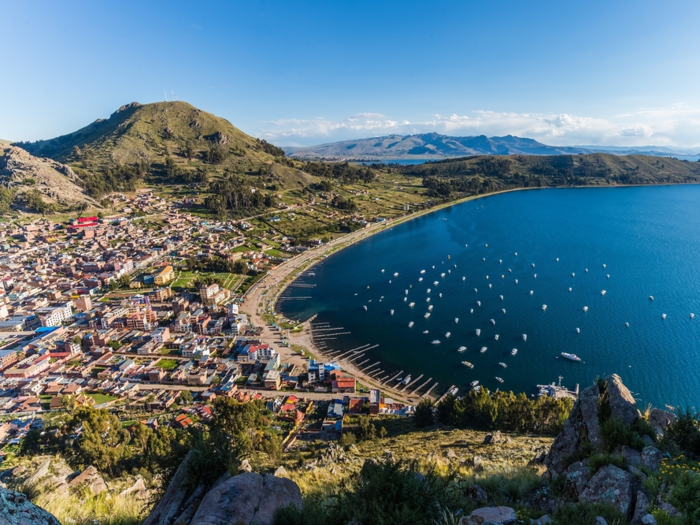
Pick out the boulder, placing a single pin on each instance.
(600, 520)
(490, 439)
(139, 488)
(673, 511)
(281, 472)
(651, 458)
(477, 463)
(476, 493)
(16, 509)
(620, 399)
(577, 476)
(450, 454)
(660, 419)
(633, 457)
(244, 466)
(611, 485)
(89, 478)
(247, 499)
(648, 520)
(170, 506)
(491, 516)
(39, 474)
(640, 508)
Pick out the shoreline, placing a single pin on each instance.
(286, 273)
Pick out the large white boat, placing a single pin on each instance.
(462, 349)
(467, 364)
(411, 305)
(499, 379)
(483, 349)
(473, 383)
(427, 315)
(503, 365)
(436, 342)
(524, 337)
(410, 325)
(448, 334)
(571, 357)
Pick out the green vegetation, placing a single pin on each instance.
(167, 364)
(102, 398)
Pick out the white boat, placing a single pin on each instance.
(524, 337)
(578, 330)
(533, 265)
(478, 303)
(603, 292)
(420, 279)
(535, 276)
(475, 290)
(473, 383)
(490, 285)
(483, 349)
(436, 283)
(425, 331)
(456, 320)
(608, 276)
(651, 297)
(499, 379)
(544, 307)
(503, 276)
(411, 305)
(501, 297)
(503, 310)
(464, 278)
(382, 270)
(516, 254)
(448, 334)
(514, 351)
(570, 289)
(692, 315)
(365, 307)
(627, 325)
(453, 391)
(442, 274)
(436, 342)
(500, 261)
(483, 259)
(406, 380)
(405, 299)
(510, 271)
(663, 316)
(496, 337)
(391, 312)
(573, 275)
(478, 331)
(557, 259)
(585, 308)
(410, 325)
(503, 364)
(422, 271)
(586, 270)
(603, 266)
(428, 290)
(471, 310)
(406, 292)
(440, 295)
(516, 281)
(462, 349)
(396, 274)
(487, 277)
(532, 292)
(571, 357)
(427, 300)
(430, 308)
(427, 315)
(467, 364)
(493, 322)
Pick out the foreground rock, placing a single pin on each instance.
(91, 479)
(614, 486)
(248, 499)
(16, 509)
(491, 516)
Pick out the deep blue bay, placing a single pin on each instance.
(648, 238)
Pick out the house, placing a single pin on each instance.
(164, 276)
(272, 380)
(343, 385)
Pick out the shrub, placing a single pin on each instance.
(599, 461)
(424, 414)
(683, 436)
(685, 496)
(586, 513)
(615, 433)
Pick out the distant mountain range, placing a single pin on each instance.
(435, 146)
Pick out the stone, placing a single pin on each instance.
(476, 493)
(600, 520)
(477, 463)
(633, 457)
(640, 508)
(450, 454)
(673, 511)
(577, 476)
(660, 419)
(491, 516)
(651, 458)
(39, 474)
(16, 509)
(648, 520)
(544, 520)
(611, 485)
(281, 472)
(621, 400)
(248, 499)
(89, 478)
(139, 488)
(490, 439)
(244, 466)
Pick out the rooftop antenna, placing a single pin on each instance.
(173, 96)
(166, 95)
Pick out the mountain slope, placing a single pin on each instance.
(137, 140)
(436, 146)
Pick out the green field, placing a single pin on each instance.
(167, 364)
(102, 398)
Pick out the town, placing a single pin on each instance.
(122, 313)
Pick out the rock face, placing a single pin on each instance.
(651, 458)
(16, 509)
(660, 419)
(612, 485)
(491, 516)
(582, 429)
(89, 478)
(577, 477)
(248, 499)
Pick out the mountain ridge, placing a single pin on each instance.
(437, 146)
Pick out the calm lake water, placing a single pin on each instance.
(648, 238)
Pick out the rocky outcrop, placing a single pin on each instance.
(491, 516)
(582, 430)
(651, 458)
(577, 477)
(16, 509)
(640, 508)
(174, 502)
(660, 419)
(614, 486)
(57, 183)
(247, 499)
(218, 138)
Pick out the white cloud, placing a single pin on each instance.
(678, 126)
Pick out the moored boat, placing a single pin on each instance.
(571, 357)
(467, 364)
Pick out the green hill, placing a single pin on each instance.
(483, 174)
(137, 140)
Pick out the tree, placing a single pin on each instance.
(186, 397)
(383, 432)
(240, 268)
(188, 150)
(424, 414)
(103, 441)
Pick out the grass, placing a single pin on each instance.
(102, 398)
(167, 364)
(87, 509)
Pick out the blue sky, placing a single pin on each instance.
(301, 73)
